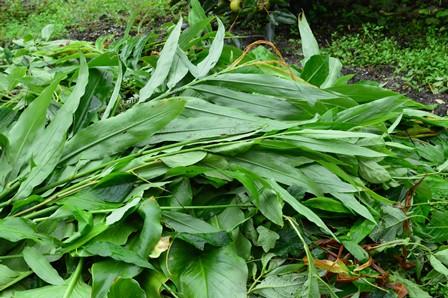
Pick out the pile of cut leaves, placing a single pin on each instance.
(186, 167)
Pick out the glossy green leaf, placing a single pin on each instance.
(215, 272)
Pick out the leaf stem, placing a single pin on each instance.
(74, 279)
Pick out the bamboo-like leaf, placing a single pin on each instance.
(163, 64)
(260, 105)
(263, 84)
(115, 134)
(214, 52)
(9, 277)
(310, 46)
(48, 150)
(115, 94)
(27, 129)
(299, 207)
(374, 112)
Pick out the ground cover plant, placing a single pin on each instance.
(20, 18)
(189, 168)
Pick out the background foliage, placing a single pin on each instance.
(177, 169)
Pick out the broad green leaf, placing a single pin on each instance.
(10, 277)
(362, 93)
(390, 225)
(41, 267)
(151, 231)
(48, 150)
(197, 128)
(215, 272)
(354, 205)
(115, 134)
(114, 187)
(300, 208)
(215, 51)
(106, 272)
(361, 229)
(126, 287)
(163, 64)
(310, 46)
(177, 72)
(116, 252)
(271, 206)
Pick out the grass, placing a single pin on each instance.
(20, 18)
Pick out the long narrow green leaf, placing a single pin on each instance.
(115, 94)
(260, 105)
(263, 84)
(310, 46)
(115, 134)
(214, 52)
(48, 150)
(26, 131)
(299, 207)
(163, 64)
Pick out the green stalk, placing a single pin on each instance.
(74, 279)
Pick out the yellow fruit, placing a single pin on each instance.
(235, 5)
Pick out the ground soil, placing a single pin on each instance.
(285, 41)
